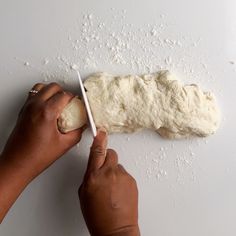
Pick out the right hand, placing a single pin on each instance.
(108, 194)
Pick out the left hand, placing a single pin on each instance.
(36, 142)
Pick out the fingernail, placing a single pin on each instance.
(102, 130)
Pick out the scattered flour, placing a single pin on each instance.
(46, 61)
(97, 44)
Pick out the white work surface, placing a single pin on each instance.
(186, 187)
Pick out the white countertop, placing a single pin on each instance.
(186, 187)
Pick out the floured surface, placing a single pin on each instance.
(155, 101)
(185, 186)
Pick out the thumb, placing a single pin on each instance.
(98, 151)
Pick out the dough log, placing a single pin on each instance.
(74, 116)
(155, 101)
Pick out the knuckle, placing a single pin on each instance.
(113, 159)
(110, 173)
(89, 184)
(63, 93)
(60, 96)
(66, 96)
(38, 85)
(112, 156)
(92, 178)
(111, 152)
(98, 150)
(55, 85)
(48, 112)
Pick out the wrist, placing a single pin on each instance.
(125, 231)
(13, 168)
(12, 183)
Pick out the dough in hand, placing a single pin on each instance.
(155, 101)
(74, 116)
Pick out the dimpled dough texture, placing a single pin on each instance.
(155, 101)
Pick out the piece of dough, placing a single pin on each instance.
(155, 101)
(73, 116)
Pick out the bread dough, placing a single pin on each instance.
(73, 116)
(155, 101)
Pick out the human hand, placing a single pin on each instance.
(108, 194)
(36, 142)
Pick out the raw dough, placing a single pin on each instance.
(155, 101)
(73, 116)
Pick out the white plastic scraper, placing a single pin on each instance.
(87, 106)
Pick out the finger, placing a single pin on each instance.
(58, 102)
(111, 158)
(49, 90)
(98, 151)
(73, 137)
(37, 87)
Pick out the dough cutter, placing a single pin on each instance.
(87, 106)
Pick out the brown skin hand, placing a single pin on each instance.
(108, 194)
(35, 143)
